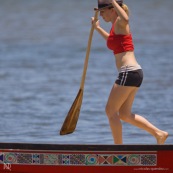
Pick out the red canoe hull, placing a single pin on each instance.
(48, 158)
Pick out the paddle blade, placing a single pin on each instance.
(72, 117)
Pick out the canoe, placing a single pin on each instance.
(64, 158)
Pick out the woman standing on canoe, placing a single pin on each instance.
(122, 95)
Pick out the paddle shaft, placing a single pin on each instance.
(87, 53)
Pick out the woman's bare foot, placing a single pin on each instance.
(161, 137)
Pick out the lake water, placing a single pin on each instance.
(42, 51)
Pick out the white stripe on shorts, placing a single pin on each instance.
(125, 78)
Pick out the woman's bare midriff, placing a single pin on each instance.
(125, 58)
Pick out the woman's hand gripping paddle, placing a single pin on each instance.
(72, 117)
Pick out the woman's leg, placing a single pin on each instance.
(137, 120)
(117, 97)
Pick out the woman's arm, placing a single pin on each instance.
(124, 18)
(99, 29)
(102, 32)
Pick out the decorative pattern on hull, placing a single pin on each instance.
(78, 159)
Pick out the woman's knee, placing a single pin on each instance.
(125, 116)
(110, 112)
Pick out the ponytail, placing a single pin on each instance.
(125, 8)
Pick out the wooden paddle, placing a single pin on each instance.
(72, 117)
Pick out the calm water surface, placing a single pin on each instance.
(42, 50)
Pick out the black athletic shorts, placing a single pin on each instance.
(129, 77)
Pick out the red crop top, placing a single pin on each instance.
(119, 43)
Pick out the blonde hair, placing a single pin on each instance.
(125, 8)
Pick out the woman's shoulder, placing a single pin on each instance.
(120, 26)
